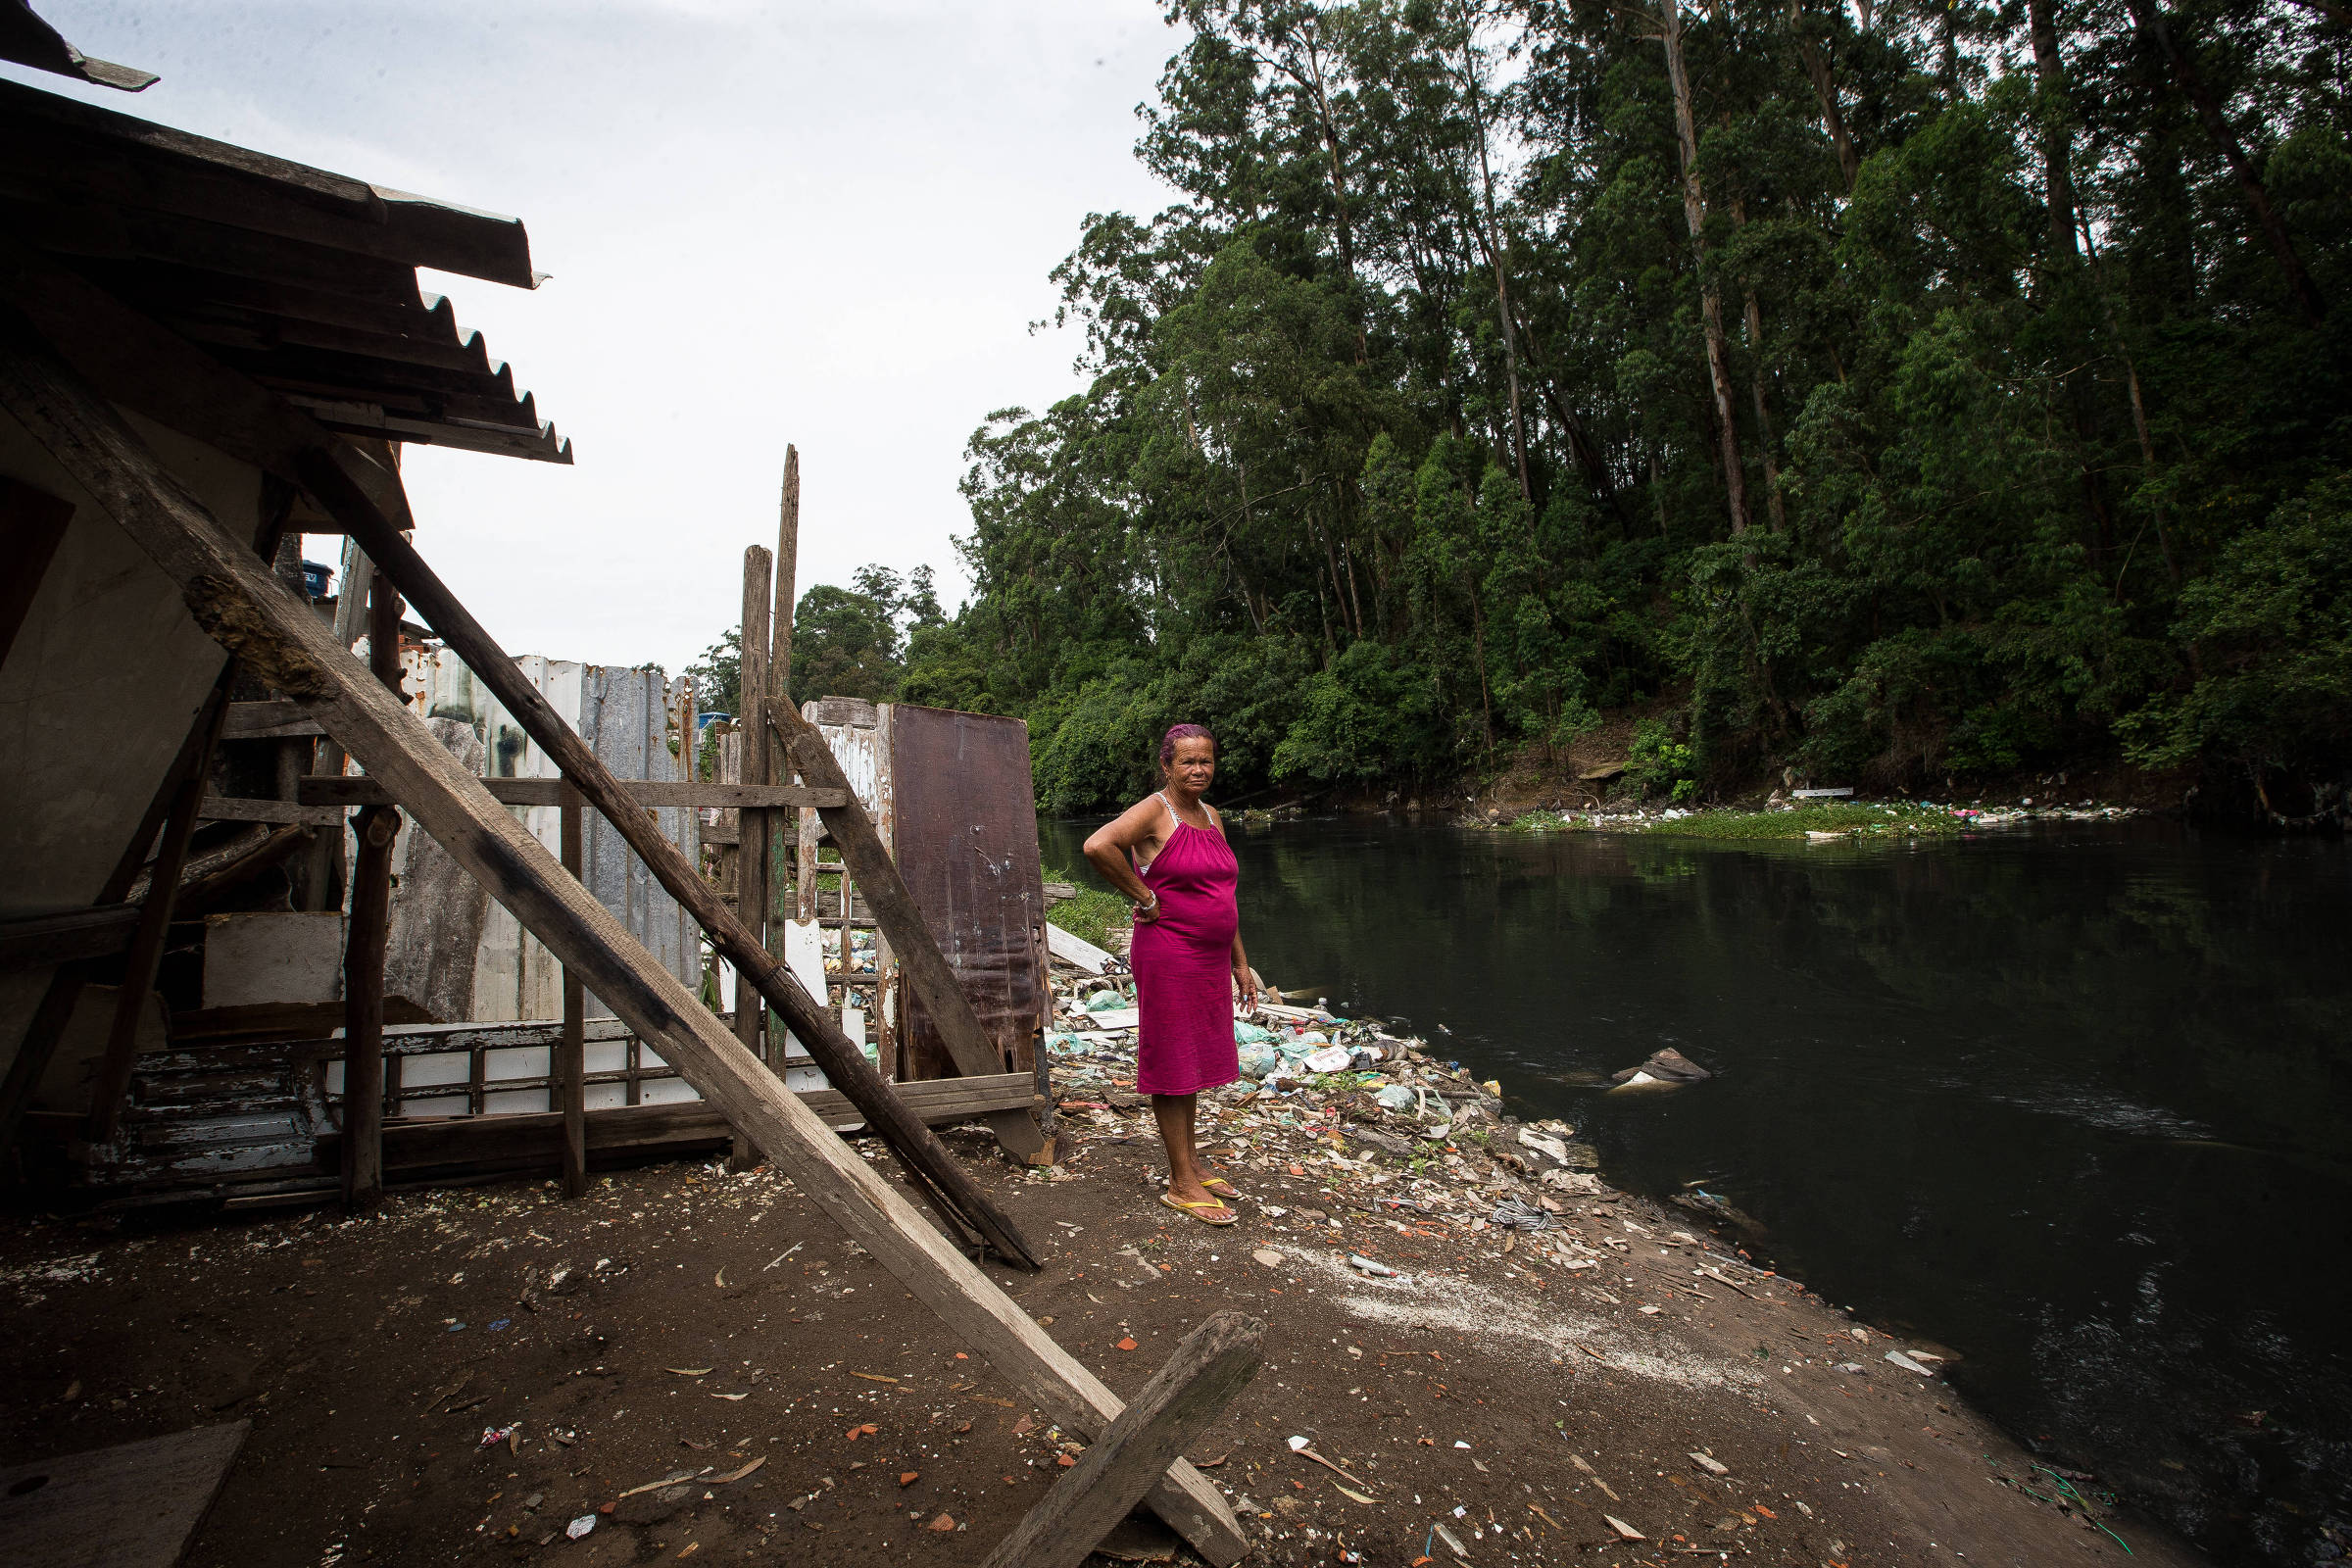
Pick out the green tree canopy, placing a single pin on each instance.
(1899, 393)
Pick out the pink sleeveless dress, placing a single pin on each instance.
(1183, 964)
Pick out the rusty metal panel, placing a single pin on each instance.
(965, 818)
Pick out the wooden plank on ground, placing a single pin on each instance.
(279, 637)
(1213, 1365)
(137, 1505)
(1072, 949)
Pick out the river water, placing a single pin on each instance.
(2072, 1104)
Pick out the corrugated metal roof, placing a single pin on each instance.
(304, 280)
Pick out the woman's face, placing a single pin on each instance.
(1194, 764)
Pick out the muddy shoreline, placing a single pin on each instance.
(630, 1352)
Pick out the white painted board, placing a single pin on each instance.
(1075, 950)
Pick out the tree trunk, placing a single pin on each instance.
(1825, 91)
(1503, 287)
(1695, 211)
(1345, 229)
(2057, 138)
(2299, 286)
(1764, 431)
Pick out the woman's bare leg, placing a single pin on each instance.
(1175, 1115)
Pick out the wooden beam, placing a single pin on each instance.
(248, 808)
(271, 719)
(1213, 1363)
(44, 941)
(788, 561)
(364, 944)
(784, 826)
(32, 523)
(241, 606)
(755, 868)
(571, 1053)
(751, 866)
(319, 789)
(920, 962)
(155, 921)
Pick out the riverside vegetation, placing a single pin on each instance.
(1899, 393)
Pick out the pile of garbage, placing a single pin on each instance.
(1376, 1107)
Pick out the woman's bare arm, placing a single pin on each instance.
(1109, 847)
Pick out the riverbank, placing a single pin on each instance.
(1802, 819)
(697, 1362)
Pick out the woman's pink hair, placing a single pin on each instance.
(1183, 732)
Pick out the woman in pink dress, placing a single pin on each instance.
(1167, 854)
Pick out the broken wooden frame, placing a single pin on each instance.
(240, 605)
(1213, 1363)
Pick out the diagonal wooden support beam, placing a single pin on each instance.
(238, 603)
(1215, 1362)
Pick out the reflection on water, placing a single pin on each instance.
(2072, 1104)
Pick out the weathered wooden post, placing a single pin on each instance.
(751, 859)
(571, 1053)
(1215, 1362)
(779, 688)
(364, 944)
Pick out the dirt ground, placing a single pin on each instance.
(467, 1374)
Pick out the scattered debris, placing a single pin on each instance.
(1666, 1067)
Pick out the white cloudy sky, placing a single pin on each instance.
(823, 224)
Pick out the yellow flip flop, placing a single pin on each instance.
(1190, 1209)
(1213, 1183)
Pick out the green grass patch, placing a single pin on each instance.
(1861, 821)
(1092, 915)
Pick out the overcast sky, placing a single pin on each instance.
(823, 224)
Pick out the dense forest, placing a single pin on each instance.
(1903, 394)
